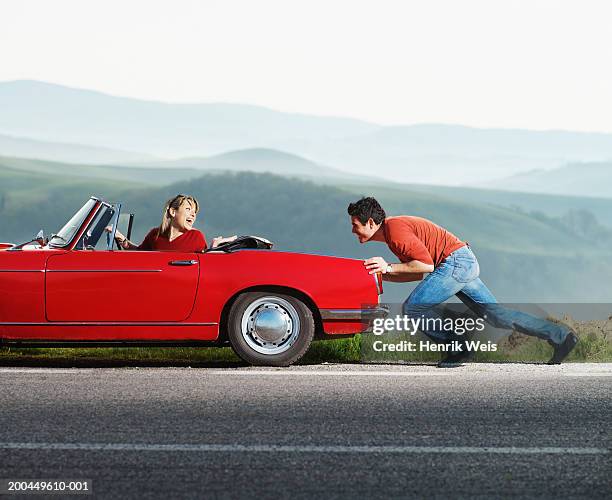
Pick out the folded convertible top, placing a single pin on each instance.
(243, 242)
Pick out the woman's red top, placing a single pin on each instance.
(190, 241)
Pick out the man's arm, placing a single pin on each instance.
(414, 266)
(404, 278)
(401, 271)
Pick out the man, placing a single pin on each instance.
(424, 247)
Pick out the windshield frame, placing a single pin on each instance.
(114, 224)
(72, 236)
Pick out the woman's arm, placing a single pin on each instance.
(122, 241)
(220, 239)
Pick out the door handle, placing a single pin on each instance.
(183, 262)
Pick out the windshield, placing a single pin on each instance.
(66, 233)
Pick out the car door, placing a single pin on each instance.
(120, 286)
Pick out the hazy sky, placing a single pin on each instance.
(531, 64)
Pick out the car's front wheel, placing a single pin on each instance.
(270, 329)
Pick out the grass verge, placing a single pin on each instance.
(595, 345)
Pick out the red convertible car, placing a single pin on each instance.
(78, 289)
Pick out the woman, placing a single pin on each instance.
(175, 233)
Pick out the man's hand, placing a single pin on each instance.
(376, 265)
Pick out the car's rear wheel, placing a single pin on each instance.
(270, 329)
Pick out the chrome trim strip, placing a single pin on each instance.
(353, 314)
(36, 342)
(22, 270)
(110, 323)
(104, 270)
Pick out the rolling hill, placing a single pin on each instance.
(577, 179)
(523, 258)
(550, 205)
(118, 174)
(254, 160)
(164, 172)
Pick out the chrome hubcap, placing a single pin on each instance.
(270, 325)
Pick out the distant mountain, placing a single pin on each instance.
(423, 153)
(454, 154)
(56, 113)
(63, 152)
(577, 179)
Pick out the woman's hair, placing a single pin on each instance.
(176, 202)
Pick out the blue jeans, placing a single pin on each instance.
(458, 275)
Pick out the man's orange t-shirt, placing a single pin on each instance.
(415, 238)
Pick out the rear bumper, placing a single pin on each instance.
(363, 315)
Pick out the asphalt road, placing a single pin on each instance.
(328, 431)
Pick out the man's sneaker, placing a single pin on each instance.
(454, 359)
(563, 349)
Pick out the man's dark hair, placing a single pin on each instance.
(366, 208)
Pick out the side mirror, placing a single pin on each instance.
(40, 238)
